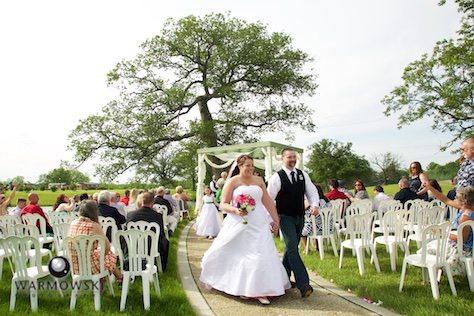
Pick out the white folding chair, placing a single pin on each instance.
(39, 221)
(385, 206)
(468, 260)
(357, 208)
(393, 235)
(141, 246)
(3, 254)
(60, 231)
(60, 217)
(8, 222)
(181, 209)
(340, 206)
(81, 247)
(163, 210)
(359, 232)
(144, 226)
(425, 217)
(26, 272)
(451, 212)
(430, 263)
(109, 226)
(31, 230)
(328, 216)
(416, 204)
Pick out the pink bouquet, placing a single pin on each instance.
(245, 202)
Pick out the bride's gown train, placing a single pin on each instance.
(243, 259)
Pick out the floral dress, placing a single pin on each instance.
(83, 226)
(308, 224)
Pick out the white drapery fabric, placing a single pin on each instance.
(266, 156)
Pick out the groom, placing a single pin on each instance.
(288, 187)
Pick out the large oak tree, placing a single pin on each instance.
(214, 78)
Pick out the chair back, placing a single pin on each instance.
(451, 212)
(60, 217)
(416, 204)
(440, 234)
(359, 227)
(140, 245)
(60, 231)
(387, 206)
(328, 215)
(8, 222)
(436, 202)
(79, 250)
(363, 203)
(36, 220)
(340, 206)
(466, 225)
(144, 226)
(163, 210)
(19, 248)
(109, 226)
(392, 225)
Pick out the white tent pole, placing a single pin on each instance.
(201, 177)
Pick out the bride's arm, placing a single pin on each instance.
(226, 196)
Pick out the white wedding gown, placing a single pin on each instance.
(243, 259)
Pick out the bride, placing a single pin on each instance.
(243, 260)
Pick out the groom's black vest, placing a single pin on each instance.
(290, 199)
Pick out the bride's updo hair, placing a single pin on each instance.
(240, 161)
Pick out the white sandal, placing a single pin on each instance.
(263, 300)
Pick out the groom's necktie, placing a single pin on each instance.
(293, 179)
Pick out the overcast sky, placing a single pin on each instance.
(55, 55)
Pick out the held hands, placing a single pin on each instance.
(274, 228)
(314, 211)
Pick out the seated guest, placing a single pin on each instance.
(132, 203)
(108, 211)
(343, 189)
(379, 196)
(63, 203)
(126, 198)
(465, 198)
(82, 197)
(452, 193)
(88, 224)
(170, 199)
(335, 194)
(4, 202)
(405, 193)
(148, 214)
(115, 202)
(360, 193)
(20, 204)
(434, 183)
(33, 208)
(180, 195)
(170, 219)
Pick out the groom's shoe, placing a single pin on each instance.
(293, 284)
(306, 291)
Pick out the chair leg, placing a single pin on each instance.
(146, 291)
(125, 285)
(393, 255)
(402, 277)
(360, 259)
(450, 279)
(13, 295)
(34, 295)
(320, 242)
(340, 256)
(74, 293)
(470, 274)
(376, 260)
(434, 282)
(96, 290)
(334, 247)
(157, 284)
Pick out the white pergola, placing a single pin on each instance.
(266, 156)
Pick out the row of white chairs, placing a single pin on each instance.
(26, 253)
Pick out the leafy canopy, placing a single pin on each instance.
(441, 86)
(215, 79)
(334, 160)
